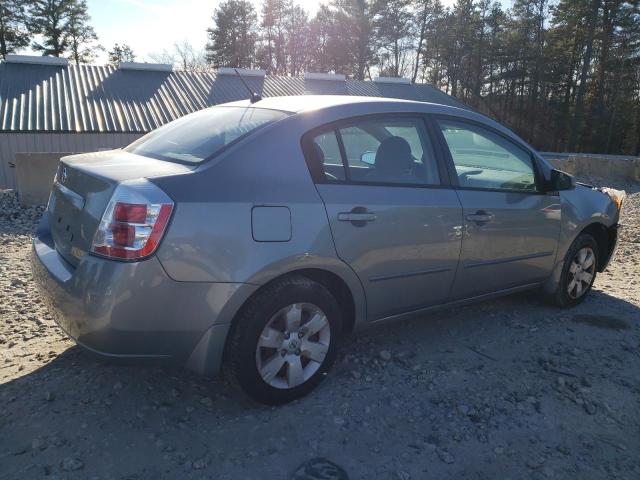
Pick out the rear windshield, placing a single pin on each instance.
(197, 137)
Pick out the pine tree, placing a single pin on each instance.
(355, 34)
(50, 19)
(13, 31)
(119, 54)
(273, 48)
(393, 31)
(297, 35)
(232, 40)
(82, 36)
(322, 48)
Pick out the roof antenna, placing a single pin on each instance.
(254, 96)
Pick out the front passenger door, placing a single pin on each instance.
(511, 225)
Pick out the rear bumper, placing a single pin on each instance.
(134, 310)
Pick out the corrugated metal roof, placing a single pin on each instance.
(45, 98)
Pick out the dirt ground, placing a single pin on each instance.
(509, 389)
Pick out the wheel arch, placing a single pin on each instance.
(333, 282)
(339, 289)
(605, 238)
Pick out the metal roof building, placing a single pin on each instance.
(47, 105)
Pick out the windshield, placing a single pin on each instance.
(198, 136)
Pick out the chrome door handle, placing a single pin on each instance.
(357, 217)
(480, 217)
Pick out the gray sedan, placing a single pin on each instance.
(255, 235)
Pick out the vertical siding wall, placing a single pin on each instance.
(12, 143)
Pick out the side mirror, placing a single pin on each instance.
(368, 157)
(560, 180)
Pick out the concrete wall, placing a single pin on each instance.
(608, 167)
(35, 172)
(13, 143)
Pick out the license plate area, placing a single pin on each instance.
(65, 220)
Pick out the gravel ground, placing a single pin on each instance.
(505, 389)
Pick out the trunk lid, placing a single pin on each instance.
(83, 187)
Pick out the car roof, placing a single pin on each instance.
(302, 103)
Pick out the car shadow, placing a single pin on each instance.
(146, 421)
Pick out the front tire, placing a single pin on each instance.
(285, 340)
(578, 272)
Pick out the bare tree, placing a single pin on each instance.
(184, 56)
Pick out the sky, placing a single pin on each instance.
(151, 26)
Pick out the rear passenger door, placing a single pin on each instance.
(511, 224)
(394, 218)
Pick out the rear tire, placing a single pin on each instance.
(285, 340)
(578, 272)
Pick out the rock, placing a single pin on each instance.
(199, 464)
(401, 475)
(3, 339)
(339, 421)
(463, 409)
(38, 444)
(385, 355)
(445, 456)
(49, 396)
(319, 469)
(20, 449)
(535, 463)
(71, 464)
(589, 407)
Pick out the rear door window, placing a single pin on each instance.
(377, 151)
(327, 151)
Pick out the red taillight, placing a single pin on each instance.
(123, 235)
(134, 222)
(130, 212)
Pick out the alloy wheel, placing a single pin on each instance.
(581, 272)
(293, 345)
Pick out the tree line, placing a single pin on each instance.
(57, 28)
(565, 75)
